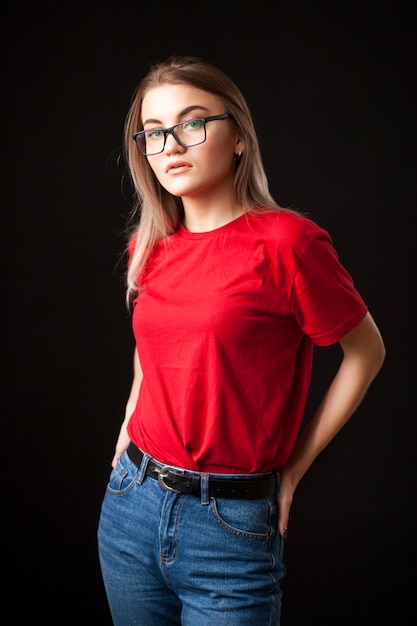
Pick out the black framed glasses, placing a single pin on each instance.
(188, 133)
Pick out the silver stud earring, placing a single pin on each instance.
(239, 154)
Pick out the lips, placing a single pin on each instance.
(177, 166)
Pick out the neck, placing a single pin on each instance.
(204, 218)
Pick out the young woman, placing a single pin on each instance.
(229, 293)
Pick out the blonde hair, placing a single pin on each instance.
(159, 211)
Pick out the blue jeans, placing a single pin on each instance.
(169, 559)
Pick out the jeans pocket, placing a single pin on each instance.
(122, 477)
(251, 519)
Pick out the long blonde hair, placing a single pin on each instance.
(159, 211)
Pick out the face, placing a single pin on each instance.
(195, 171)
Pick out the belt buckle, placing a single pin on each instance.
(162, 474)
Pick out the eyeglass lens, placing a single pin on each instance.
(187, 134)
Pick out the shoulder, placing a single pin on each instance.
(287, 228)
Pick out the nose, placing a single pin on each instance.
(171, 144)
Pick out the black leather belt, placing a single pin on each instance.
(188, 482)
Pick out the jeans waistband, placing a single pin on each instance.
(189, 482)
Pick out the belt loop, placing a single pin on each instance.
(143, 467)
(204, 489)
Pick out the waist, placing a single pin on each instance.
(185, 481)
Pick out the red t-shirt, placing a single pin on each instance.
(225, 328)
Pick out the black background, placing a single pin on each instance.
(332, 90)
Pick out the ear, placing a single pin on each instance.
(239, 147)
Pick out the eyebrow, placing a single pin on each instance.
(181, 113)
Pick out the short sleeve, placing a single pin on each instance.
(324, 299)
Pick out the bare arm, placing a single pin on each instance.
(123, 439)
(363, 356)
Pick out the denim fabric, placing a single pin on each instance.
(170, 559)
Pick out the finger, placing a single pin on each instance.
(283, 529)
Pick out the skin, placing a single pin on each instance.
(204, 181)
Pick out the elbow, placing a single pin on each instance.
(373, 346)
(375, 357)
(380, 356)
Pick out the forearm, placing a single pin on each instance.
(341, 400)
(363, 355)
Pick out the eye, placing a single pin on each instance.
(191, 125)
(154, 134)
